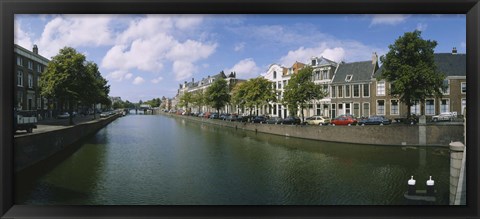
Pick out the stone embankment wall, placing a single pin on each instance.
(36, 147)
(434, 135)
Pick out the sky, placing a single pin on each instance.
(148, 56)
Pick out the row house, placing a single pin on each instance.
(453, 99)
(201, 86)
(29, 66)
(323, 72)
(350, 89)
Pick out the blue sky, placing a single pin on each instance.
(148, 56)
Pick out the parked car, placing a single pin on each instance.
(207, 115)
(445, 116)
(214, 116)
(232, 117)
(243, 118)
(317, 120)
(64, 115)
(344, 120)
(274, 120)
(259, 119)
(375, 120)
(104, 114)
(200, 114)
(224, 116)
(24, 120)
(293, 120)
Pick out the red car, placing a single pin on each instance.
(344, 120)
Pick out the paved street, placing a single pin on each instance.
(51, 124)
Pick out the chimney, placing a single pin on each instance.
(374, 58)
(35, 49)
(454, 51)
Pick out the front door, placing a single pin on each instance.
(340, 109)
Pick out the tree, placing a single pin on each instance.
(198, 99)
(300, 90)
(410, 68)
(186, 99)
(218, 94)
(239, 93)
(65, 78)
(259, 92)
(97, 89)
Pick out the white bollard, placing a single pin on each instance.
(411, 186)
(430, 187)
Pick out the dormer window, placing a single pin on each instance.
(348, 78)
(314, 62)
(274, 74)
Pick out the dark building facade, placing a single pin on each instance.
(29, 66)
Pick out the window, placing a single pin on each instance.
(366, 110)
(444, 105)
(430, 107)
(273, 85)
(319, 110)
(394, 107)
(274, 74)
(19, 61)
(464, 87)
(347, 90)
(279, 85)
(381, 88)
(314, 62)
(333, 92)
(415, 108)
(317, 75)
(20, 98)
(356, 109)
(366, 90)
(380, 107)
(38, 81)
(285, 83)
(340, 91)
(39, 103)
(20, 78)
(348, 78)
(325, 74)
(333, 113)
(446, 86)
(30, 81)
(356, 90)
(464, 105)
(30, 65)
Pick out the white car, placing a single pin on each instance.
(317, 120)
(445, 116)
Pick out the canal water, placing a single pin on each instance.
(160, 160)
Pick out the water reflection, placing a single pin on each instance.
(145, 159)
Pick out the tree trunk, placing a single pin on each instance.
(94, 112)
(70, 111)
(301, 108)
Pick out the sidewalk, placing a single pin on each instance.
(51, 124)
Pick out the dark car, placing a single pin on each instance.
(344, 120)
(232, 117)
(243, 118)
(259, 119)
(274, 120)
(375, 120)
(214, 116)
(224, 116)
(292, 120)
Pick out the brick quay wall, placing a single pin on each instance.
(396, 134)
(36, 147)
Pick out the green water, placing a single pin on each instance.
(159, 160)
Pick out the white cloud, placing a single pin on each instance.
(183, 70)
(246, 68)
(422, 27)
(138, 80)
(157, 80)
(184, 22)
(388, 19)
(190, 51)
(22, 38)
(119, 75)
(74, 31)
(239, 46)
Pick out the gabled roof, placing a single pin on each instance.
(447, 63)
(324, 61)
(360, 71)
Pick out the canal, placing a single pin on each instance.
(160, 160)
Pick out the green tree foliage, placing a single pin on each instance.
(255, 92)
(198, 99)
(409, 66)
(97, 89)
(69, 79)
(217, 94)
(155, 102)
(300, 90)
(185, 100)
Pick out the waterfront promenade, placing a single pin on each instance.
(52, 124)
